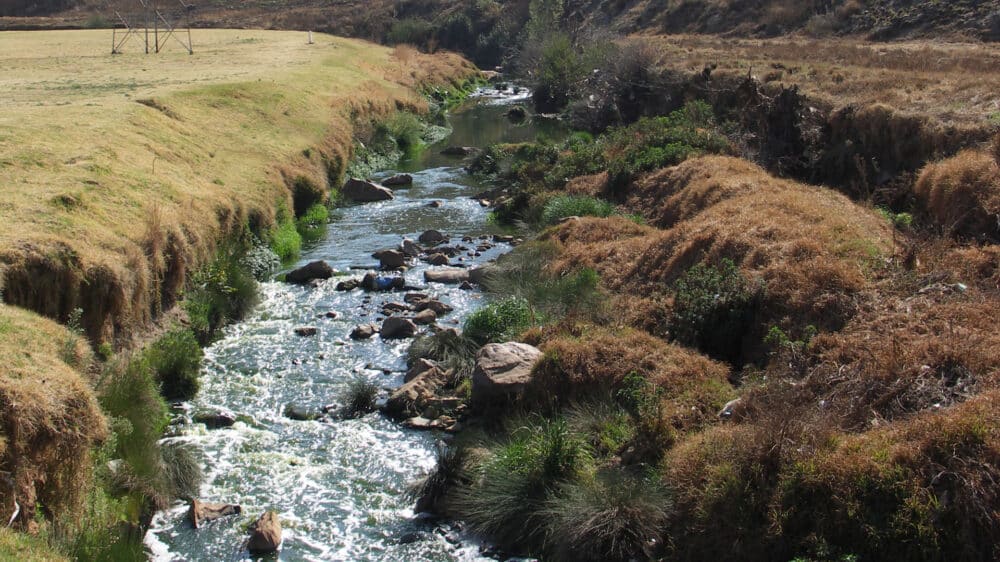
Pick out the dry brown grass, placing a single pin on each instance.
(961, 195)
(952, 83)
(49, 417)
(811, 247)
(111, 202)
(597, 362)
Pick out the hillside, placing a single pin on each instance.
(872, 19)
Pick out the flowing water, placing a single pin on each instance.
(338, 486)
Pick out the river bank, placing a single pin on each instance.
(130, 173)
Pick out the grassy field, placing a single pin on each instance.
(121, 172)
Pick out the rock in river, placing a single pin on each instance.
(202, 512)
(390, 259)
(300, 413)
(395, 327)
(502, 369)
(453, 276)
(398, 180)
(306, 331)
(432, 237)
(313, 270)
(215, 418)
(363, 332)
(365, 191)
(265, 534)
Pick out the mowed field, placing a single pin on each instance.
(104, 158)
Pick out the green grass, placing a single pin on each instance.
(224, 291)
(498, 321)
(564, 206)
(512, 485)
(176, 360)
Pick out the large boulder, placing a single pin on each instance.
(448, 276)
(432, 237)
(420, 366)
(201, 512)
(395, 327)
(390, 259)
(301, 413)
(502, 369)
(416, 395)
(265, 534)
(398, 180)
(314, 270)
(365, 191)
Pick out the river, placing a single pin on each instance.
(339, 487)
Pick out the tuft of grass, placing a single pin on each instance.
(449, 349)
(176, 360)
(284, 238)
(564, 206)
(359, 398)
(610, 516)
(431, 492)
(511, 487)
(498, 321)
(523, 274)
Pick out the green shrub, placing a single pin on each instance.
(563, 206)
(644, 402)
(286, 241)
(612, 516)
(176, 360)
(557, 72)
(498, 321)
(410, 31)
(714, 308)
(224, 291)
(312, 224)
(449, 349)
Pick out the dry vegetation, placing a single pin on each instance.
(49, 416)
(122, 176)
(124, 171)
(810, 247)
(876, 437)
(955, 84)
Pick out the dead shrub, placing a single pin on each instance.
(961, 195)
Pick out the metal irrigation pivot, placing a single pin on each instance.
(148, 13)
